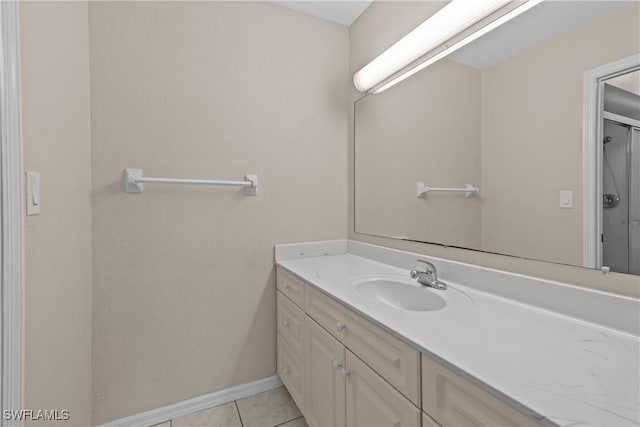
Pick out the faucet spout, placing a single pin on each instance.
(429, 277)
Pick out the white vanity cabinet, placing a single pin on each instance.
(343, 370)
(353, 371)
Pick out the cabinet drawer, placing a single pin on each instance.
(291, 371)
(290, 286)
(371, 401)
(453, 401)
(395, 361)
(291, 323)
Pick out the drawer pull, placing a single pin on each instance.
(286, 323)
(337, 364)
(344, 373)
(286, 370)
(286, 287)
(396, 362)
(341, 326)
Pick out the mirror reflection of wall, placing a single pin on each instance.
(504, 114)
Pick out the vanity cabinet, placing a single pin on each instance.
(343, 370)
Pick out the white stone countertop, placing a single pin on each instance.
(558, 369)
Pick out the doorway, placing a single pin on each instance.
(611, 109)
(11, 215)
(621, 197)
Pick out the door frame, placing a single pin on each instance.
(592, 155)
(12, 219)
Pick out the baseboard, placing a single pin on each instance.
(175, 410)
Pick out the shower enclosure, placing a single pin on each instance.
(621, 182)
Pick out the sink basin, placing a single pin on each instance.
(399, 294)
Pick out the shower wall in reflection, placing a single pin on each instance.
(621, 182)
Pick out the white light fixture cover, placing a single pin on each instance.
(455, 17)
(460, 44)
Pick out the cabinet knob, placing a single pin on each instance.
(286, 323)
(337, 364)
(286, 370)
(341, 326)
(344, 373)
(286, 287)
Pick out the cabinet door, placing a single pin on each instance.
(453, 401)
(371, 401)
(324, 385)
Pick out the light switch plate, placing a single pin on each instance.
(566, 199)
(33, 193)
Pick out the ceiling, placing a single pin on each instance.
(340, 11)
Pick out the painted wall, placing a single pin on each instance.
(184, 281)
(56, 120)
(376, 29)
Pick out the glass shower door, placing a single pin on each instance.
(634, 202)
(621, 198)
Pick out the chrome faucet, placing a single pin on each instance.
(428, 277)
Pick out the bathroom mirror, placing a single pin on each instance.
(505, 115)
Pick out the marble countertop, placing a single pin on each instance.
(560, 370)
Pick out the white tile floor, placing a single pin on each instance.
(269, 409)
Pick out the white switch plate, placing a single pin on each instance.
(33, 193)
(566, 199)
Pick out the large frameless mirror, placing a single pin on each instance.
(501, 122)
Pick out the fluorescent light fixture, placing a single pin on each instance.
(456, 16)
(462, 15)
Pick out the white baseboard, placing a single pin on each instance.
(175, 410)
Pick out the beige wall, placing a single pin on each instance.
(184, 282)
(538, 144)
(55, 107)
(375, 30)
(427, 129)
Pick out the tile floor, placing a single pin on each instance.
(269, 409)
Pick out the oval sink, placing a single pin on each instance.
(400, 295)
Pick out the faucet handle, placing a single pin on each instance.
(429, 267)
(427, 263)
